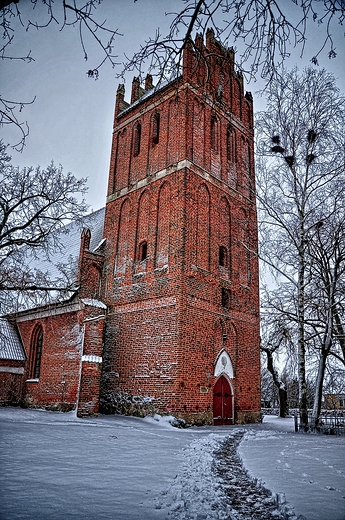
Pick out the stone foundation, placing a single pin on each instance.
(248, 417)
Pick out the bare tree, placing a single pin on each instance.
(301, 155)
(326, 248)
(83, 15)
(266, 30)
(34, 205)
(272, 342)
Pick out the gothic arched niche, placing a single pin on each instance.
(224, 365)
(163, 225)
(143, 217)
(203, 228)
(243, 248)
(174, 132)
(224, 234)
(198, 132)
(122, 252)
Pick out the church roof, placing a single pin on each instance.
(59, 267)
(10, 344)
(67, 246)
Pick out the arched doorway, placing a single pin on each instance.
(222, 402)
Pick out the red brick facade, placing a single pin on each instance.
(181, 275)
(178, 331)
(11, 381)
(71, 356)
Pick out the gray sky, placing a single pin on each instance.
(71, 118)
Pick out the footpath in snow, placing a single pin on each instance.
(55, 466)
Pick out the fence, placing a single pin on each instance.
(330, 423)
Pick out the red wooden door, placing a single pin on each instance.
(222, 402)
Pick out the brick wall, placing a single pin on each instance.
(71, 356)
(58, 381)
(187, 200)
(11, 381)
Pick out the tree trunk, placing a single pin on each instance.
(283, 401)
(315, 418)
(302, 385)
(325, 350)
(340, 332)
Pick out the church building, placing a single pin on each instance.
(165, 315)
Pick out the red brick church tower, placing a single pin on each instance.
(181, 273)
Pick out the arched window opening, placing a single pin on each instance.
(37, 342)
(223, 256)
(214, 133)
(142, 251)
(136, 139)
(155, 128)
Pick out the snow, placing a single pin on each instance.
(56, 465)
(308, 469)
(90, 358)
(93, 303)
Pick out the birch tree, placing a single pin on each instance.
(300, 151)
(326, 247)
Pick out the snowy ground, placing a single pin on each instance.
(55, 466)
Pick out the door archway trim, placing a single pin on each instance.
(224, 365)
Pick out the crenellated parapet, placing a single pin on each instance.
(208, 66)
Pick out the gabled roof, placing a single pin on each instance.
(10, 344)
(66, 252)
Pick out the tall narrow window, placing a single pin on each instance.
(155, 128)
(136, 139)
(36, 353)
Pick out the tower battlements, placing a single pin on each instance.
(208, 66)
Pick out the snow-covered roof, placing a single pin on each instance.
(160, 86)
(10, 344)
(93, 303)
(66, 252)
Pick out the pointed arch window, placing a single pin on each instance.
(136, 139)
(36, 353)
(155, 128)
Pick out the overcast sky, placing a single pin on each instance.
(71, 118)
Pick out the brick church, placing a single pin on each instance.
(165, 313)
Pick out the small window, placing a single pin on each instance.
(155, 128)
(142, 252)
(226, 298)
(136, 140)
(223, 256)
